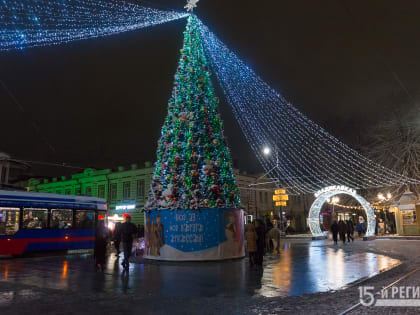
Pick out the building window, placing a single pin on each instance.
(9, 221)
(126, 190)
(261, 196)
(78, 191)
(140, 188)
(266, 197)
(68, 191)
(35, 218)
(61, 219)
(113, 191)
(101, 191)
(85, 219)
(89, 191)
(409, 217)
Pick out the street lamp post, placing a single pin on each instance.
(281, 201)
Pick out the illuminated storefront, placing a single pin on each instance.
(406, 212)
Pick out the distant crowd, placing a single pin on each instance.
(345, 230)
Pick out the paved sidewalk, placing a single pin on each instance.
(69, 285)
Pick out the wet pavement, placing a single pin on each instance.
(302, 267)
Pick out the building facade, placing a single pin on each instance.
(256, 196)
(126, 190)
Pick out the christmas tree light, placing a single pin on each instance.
(193, 167)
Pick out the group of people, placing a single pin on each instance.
(344, 229)
(124, 232)
(258, 238)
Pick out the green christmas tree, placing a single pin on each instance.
(194, 167)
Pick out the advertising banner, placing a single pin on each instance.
(205, 234)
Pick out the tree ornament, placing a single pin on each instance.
(192, 140)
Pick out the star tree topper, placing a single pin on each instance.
(191, 4)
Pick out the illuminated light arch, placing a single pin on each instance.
(327, 192)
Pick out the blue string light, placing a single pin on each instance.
(30, 23)
(309, 158)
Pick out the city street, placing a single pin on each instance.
(316, 271)
(221, 142)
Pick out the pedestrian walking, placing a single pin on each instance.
(117, 238)
(350, 231)
(359, 229)
(251, 243)
(274, 237)
(260, 230)
(128, 229)
(101, 239)
(342, 229)
(334, 231)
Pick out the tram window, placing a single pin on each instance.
(35, 218)
(9, 221)
(61, 219)
(85, 219)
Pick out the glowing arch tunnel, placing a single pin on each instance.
(327, 192)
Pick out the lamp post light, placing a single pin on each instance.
(382, 197)
(267, 151)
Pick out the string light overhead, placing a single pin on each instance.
(27, 23)
(309, 158)
(296, 153)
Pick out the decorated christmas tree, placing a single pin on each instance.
(194, 167)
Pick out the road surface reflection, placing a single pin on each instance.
(301, 267)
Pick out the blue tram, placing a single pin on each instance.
(40, 222)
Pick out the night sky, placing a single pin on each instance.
(101, 102)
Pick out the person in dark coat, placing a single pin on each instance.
(334, 231)
(101, 238)
(128, 229)
(260, 230)
(350, 231)
(359, 228)
(117, 238)
(342, 229)
(251, 243)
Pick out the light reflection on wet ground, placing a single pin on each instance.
(302, 267)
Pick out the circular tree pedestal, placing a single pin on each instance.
(194, 235)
